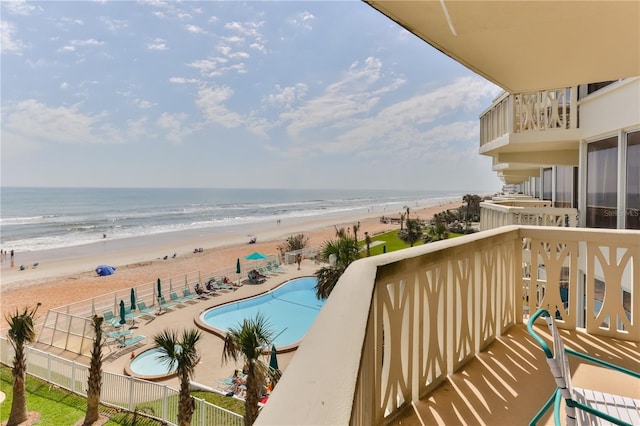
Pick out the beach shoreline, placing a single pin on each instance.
(66, 275)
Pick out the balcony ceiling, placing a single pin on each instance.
(523, 46)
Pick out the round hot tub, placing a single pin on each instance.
(149, 365)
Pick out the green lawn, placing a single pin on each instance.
(391, 242)
(59, 407)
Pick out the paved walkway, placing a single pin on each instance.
(210, 369)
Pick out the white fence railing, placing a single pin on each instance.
(158, 401)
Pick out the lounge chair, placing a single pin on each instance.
(111, 319)
(165, 305)
(175, 298)
(129, 314)
(223, 286)
(583, 406)
(133, 340)
(142, 307)
(277, 267)
(117, 338)
(188, 295)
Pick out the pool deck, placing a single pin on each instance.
(210, 370)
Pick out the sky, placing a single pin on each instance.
(230, 94)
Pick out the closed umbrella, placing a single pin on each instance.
(273, 361)
(238, 270)
(133, 300)
(122, 313)
(159, 289)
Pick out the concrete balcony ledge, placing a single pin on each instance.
(435, 334)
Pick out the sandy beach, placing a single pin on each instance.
(62, 279)
(69, 275)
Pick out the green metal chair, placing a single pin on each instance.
(582, 406)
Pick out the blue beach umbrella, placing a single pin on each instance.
(123, 319)
(159, 288)
(133, 300)
(238, 270)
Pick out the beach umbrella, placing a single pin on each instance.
(256, 256)
(159, 289)
(238, 270)
(133, 299)
(273, 361)
(104, 270)
(122, 313)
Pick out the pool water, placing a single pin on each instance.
(150, 363)
(289, 309)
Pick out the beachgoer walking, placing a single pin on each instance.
(12, 258)
(299, 260)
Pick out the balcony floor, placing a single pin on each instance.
(510, 380)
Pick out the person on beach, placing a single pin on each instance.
(12, 258)
(299, 260)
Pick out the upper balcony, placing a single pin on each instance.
(529, 123)
(434, 334)
(524, 211)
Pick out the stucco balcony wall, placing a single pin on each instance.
(398, 325)
(525, 212)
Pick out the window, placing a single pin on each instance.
(565, 186)
(602, 174)
(632, 213)
(547, 184)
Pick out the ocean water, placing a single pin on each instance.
(33, 219)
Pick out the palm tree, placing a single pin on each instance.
(21, 333)
(183, 353)
(436, 232)
(251, 340)
(367, 240)
(402, 215)
(94, 383)
(345, 250)
(412, 232)
(356, 228)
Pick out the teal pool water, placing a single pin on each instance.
(149, 363)
(290, 309)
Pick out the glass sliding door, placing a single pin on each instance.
(602, 175)
(632, 213)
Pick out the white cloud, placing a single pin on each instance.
(349, 97)
(194, 29)
(20, 7)
(182, 80)
(158, 44)
(88, 42)
(285, 97)
(173, 125)
(8, 44)
(304, 20)
(211, 102)
(68, 125)
(64, 85)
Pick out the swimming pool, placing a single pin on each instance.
(290, 309)
(148, 365)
